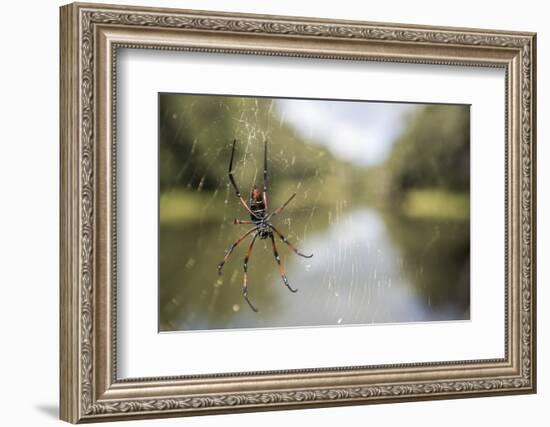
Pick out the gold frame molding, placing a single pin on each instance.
(90, 37)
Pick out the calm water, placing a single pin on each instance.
(368, 267)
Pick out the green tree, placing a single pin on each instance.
(434, 151)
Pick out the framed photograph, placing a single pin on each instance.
(266, 212)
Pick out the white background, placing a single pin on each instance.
(29, 171)
(143, 352)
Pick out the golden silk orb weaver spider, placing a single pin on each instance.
(260, 219)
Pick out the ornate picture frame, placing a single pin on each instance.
(90, 37)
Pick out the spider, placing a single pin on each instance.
(262, 227)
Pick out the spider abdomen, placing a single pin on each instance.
(258, 215)
(257, 206)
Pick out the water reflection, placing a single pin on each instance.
(369, 266)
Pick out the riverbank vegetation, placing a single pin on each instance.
(427, 173)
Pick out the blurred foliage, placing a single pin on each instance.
(423, 190)
(192, 127)
(436, 203)
(433, 153)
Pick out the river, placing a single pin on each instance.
(369, 267)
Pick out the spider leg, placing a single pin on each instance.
(290, 245)
(245, 279)
(279, 210)
(232, 247)
(281, 266)
(232, 179)
(265, 174)
(240, 221)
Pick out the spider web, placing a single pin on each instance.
(358, 274)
